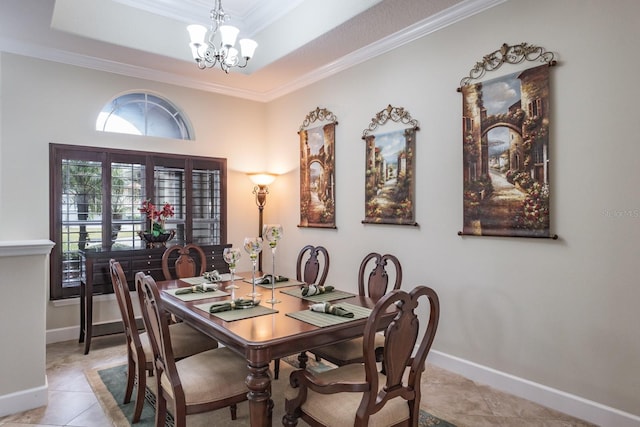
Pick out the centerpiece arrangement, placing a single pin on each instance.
(157, 235)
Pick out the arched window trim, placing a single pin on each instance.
(179, 119)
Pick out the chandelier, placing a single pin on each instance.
(216, 46)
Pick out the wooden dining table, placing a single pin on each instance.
(266, 337)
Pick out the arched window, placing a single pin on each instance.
(146, 114)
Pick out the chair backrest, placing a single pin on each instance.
(157, 326)
(401, 337)
(378, 281)
(185, 265)
(309, 263)
(121, 289)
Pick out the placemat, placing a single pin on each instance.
(328, 296)
(194, 296)
(238, 314)
(325, 319)
(199, 279)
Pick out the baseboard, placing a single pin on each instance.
(567, 403)
(62, 334)
(24, 400)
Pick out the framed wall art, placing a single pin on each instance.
(390, 168)
(317, 169)
(505, 145)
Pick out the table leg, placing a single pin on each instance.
(260, 404)
(88, 320)
(82, 320)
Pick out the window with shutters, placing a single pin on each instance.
(97, 194)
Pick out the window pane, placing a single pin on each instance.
(125, 114)
(206, 206)
(127, 193)
(161, 120)
(169, 187)
(81, 214)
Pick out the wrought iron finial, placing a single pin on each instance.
(508, 54)
(396, 114)
(319, 114)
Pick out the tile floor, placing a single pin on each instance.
(449, 396)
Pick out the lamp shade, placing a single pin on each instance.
(197, 33)
(248, 47)
(262, 178)
(228, 34)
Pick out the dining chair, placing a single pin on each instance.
(375, 287)
(186, 340)
(200, 383)
(359, 394)
(313, 261)
(184, 265)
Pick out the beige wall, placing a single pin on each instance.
(562, 314)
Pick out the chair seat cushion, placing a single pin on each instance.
(212, 375)
(347, 351)
(187, 341)
(339, 409)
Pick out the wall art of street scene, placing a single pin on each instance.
(317, 176)
(506, 155)
(389, 179)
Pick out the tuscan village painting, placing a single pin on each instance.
(506, 155)
(389, 180)
(317, 174)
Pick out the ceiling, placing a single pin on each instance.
(299, 41)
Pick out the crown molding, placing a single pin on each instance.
(407, 35)
(438, 21)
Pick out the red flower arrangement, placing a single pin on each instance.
(157, 217)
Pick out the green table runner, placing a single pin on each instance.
(324, 319)
(194, 296)
(328, 296)
(238, 314)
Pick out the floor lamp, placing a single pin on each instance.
(261, 181)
